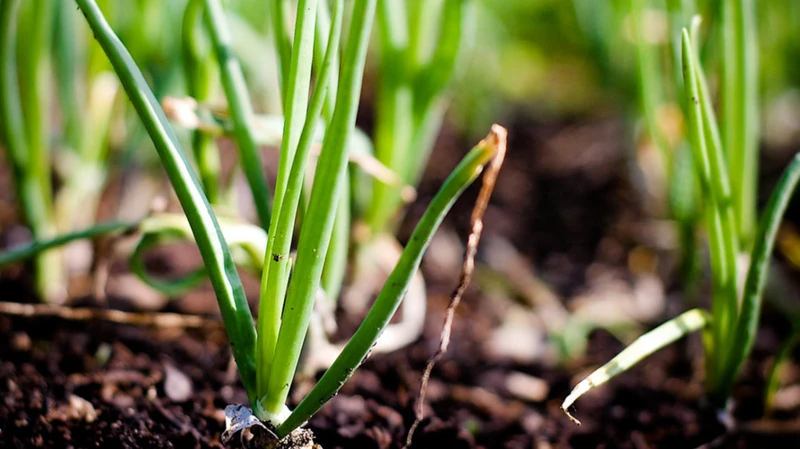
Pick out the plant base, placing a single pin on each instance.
(257, 434)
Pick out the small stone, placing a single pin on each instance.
(77, 408)
(21, 342)
(82, 409)
(787, 398)
(527, 387)
(177, 385)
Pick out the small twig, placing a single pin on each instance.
(496, 139)
(117, 376)
(156, 320)
(770, 427)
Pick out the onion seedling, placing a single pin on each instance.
(267, 358)
(731, 325)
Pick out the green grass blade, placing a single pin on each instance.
(10, 102)
(740, 108)
(328, 182)
(336, 261)
(333, 273)
(295, 105)
(747, 325)
(783, 357)
(709, 162)
(241, 110)
(680, 13)
(726, 272)
(67, 61)
(16, 255)
(393, 27)
(642, 347)
(320, 49)
(201, 75)
(36, 27)
(283, 42)
(393, 290)
(420, 32)
(215, 252)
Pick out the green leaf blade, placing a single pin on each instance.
(314, 240)
(215, 252)
(393, 290)
(642, 347)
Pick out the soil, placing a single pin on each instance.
(99, 384)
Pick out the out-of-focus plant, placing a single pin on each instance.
(651, 28)
(419, 49)
(740, 109)
(24, 101)
(731, 325)
(60, 161)
(420, 43)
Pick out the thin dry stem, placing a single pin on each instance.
(497, 140)
(155, 320)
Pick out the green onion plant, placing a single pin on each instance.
(729, 328)
(655, 63)
(268, 353)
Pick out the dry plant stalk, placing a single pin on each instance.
(155, 320)
(497, 140)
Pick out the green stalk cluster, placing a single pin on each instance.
(731, 326)
(420, 44)
(268, 354)
(24, 106)
(658, 64)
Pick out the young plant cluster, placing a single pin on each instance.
(327, 178)
(724, 166)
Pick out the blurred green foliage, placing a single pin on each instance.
(551, 58)
(566, 58)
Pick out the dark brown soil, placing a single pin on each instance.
(97, 384)
(50, 368)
